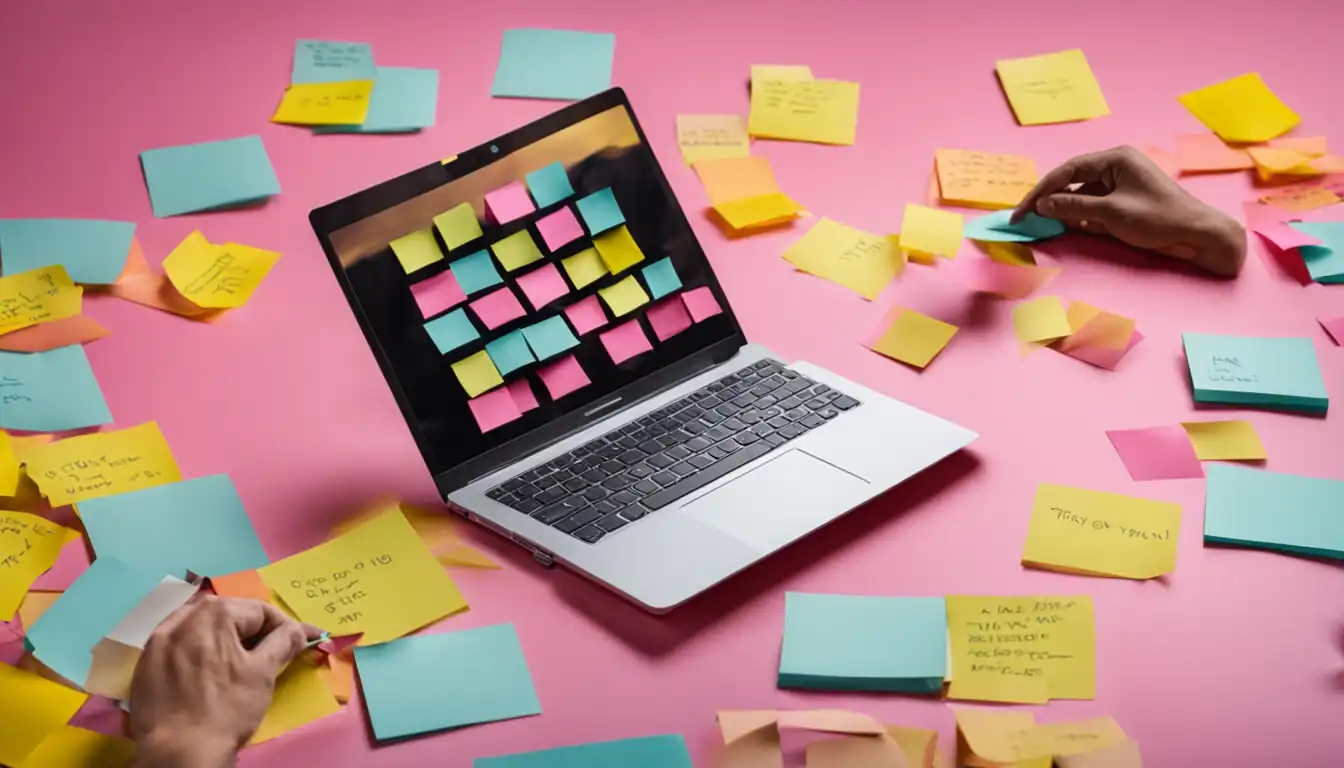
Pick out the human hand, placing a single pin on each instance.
(206, 678)
(1121, 193)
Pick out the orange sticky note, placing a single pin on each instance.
(1122, 755)
(1295, 199)
(983, 179)
(140, 285)
(1269, 160)
(919, 745)
(736, 178)
(1163, 159)
(856, 752)
(910, 337)
(241, 584)
(1311, 146)
(1206, 153)
(341, 674)
(80, 329)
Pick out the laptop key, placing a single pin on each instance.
(589, 533)
(634, 513)
(812, 421)
(527, 506)
(774, 441)
(527, 491)
(650, 446)
(574, 484)
(640, 472)
(631, 457)
(747, 438)
(742, 401)
(711, 402)
(700, 461)
(646, 487)
(697, 444)
(560, 510)
(820, 389)
(695, 427)
(611, 467)
(667, 441)
(815, 404)
(612, 522)
(728, 446)
(717, 433)
(548, 481)
(513, 485)
(767, 401)
(593, 476)
(551, 494)
(788, 374)
(828, 413)
(797, 414)
(733, 425)
(596, 493)
(563, 475)
(617, 482)
(779, 422)
(717, 452)
(627, 442)
(623, 499)
(497, 492)
(712, 417)
(578, 520)
(845, 402)
(749, 417)
(677, 452)
(706, 476)
(661, 462)
(684, 468)
(665, 478)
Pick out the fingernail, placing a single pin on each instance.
(1045, 206)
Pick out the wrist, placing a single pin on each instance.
(184, 748)
(1224, 248)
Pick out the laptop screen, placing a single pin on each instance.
(526, 284)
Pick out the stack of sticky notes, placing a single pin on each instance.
(1051, 88)
(1264, 372)
(664, 751)
(331, 84)
(208, 176)
(788, 104)
(1074, 530)
(858, 260)
(910, 337)
(1254, 508)
(553, 64)
(1002, 737)
(1002, 652)
(744, 195)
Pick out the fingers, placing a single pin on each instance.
(277, 649)
(1090, 170)
(1072, 208)
(249, 616)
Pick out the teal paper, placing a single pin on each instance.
(208, 176)
(645, 752)
(475, 272)
(995, 227)
(510, 352)
(857, 643)
(92, 252)
(549, 185)
(404, 99)
(64, 636)
(661, 277)
(1269, 510)
(452, 331)
(324, 61)
(600, 211)
(1256, 371)
(550, 337)
(553, 64)
(1325, 262)
(50, 391)
(193, 525)
(425, 683)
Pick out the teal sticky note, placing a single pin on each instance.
(193, 525)
(860, 643)
(550, 337)
(995, 227)
(326, 61)
(208, 176)
(50, 391)
(475, 272)
(661, 277)
(553, 64)
(549, 185)
(600, 211)
(666, 751)
(425, 683)
(1325, 262)
(404, 99)
(92, 251)
(64, 636)
(1270, 510)
(1256, 371)
(509, 352)
(452, 331)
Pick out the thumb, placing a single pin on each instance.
(281, 646)
(1073, 207)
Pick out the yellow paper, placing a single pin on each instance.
(1242, 109)
(1010, 738)
(983, 179)
(31, 708)
(217, 276)
(931, 231)
(1021, 649)
(71, 747)
(624, 297)
(416, 250)
(1122, 755)
(1016, 254)
(778, 73)
(856, 752)
(28, 546)
(1071, 738)
(1040, 320)
(102, 464)
(516, 250)
(1052, 88)
(708, 137)
(820, 111)
(1225, 440)
(1104, 534)
(989, 731)
(379, 579)
(447, 159)
(914, 339)
(1269, 160)
(757, 212)
(435, 528)
(342, 103)
(1301, 199)
(477, 373)
(38, 296)
(736, 178)
(458, 226)
(863, 262)
(618, 249)
(9, 466)
(301, 696)
(1311, 146)
(35, 604)
(917, 744)
(584, 268)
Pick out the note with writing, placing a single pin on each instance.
(1052, 88)
(1300, 199)
(1021, 649)
(820, 111)
(707, 137)
(1123, 755)
(329, 61)
(1075, 530)
(39, 296)
(217, 276)
(861, 261)
(102, 464)
(32, 709)
(983, 179)
(336, 103)
(1003, 738)
(29, 545)
(1256, 371)
(1242, 109)
(50, 391)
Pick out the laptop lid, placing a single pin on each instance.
(484, 336)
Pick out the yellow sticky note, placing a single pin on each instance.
(9, 466)
(1040, 320)
(1021, 649)
(29, 545)
(435, 528)
(708, 137)
(1269, 160)
(1072, 738)
(1052, 88)
(736, 178)
(858, 260)
(458, 226)
(1104, 534)
(931, 231)
(378, 578)
(820, 111)
(917, 744)
(31, 709)
(758, 212)
(775, 73)
(1122, 755)
(1009, 738)
(624, 297)
(1242, 109)
(1311, 146)
(416, 250)
(1016, 254)
(477, 373)
(341, 103)
(983, 179)
(102, 464)
(301, 696)
(989, 731)
(1225, 440)
(913, 338)
(447, 159)
(618, 249)
(38, 296)
(35, 604)
(516, 250)
(584, 267)
(71, 747)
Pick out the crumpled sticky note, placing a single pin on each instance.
(217, 276)
(1242, 109)
(1075, 530)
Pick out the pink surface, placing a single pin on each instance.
(668, 318)
(494, 409)
(1233, 660)
(1007, 280)
(559, 228)
(563, 376)
(586, 315)
(498, 308)
(437, 294)
(508, 202)
(1156, 453)
(542, 286)
(625, 341)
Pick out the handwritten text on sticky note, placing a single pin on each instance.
(102, 464)
(37, 296)
(1080, 531)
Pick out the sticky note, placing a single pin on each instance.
(701, 303)
(1123, 755)
(1203, 152)
(9, 466)
(404, 99)
(1256, 371)
(495, 408)
(92, 251)
(1012, 738)
(458, 226)
(1269, 161)
(646, 751)
(710, 137)
(115, 656)
(50, 391)
(1051, 88)
(618, 250)
(29, 545)
(758, 212)
(549, 337)
(102, 464)
(1156, 453)
(983, 179)
(301, 697)
(1163, 159)
(241, 584)
(323, 61)
(820, 111)
(509, 202)
(563, 376)
(543, 285)
(509, 352)
(1075, 530)
(70, 746)
(1007, 280)
(1225, 440)
(1242, 109)
(996, 227)
(516, 250)
(218, 276)
(1335, 327)
(451, 331)
(728, 179)
(626, 341)
(76, 329)
(1325, 262)
(910, 337)
(477, 373)
(549, 184)
(1001, 653)
(496, 309)
(32, 709)
(553, 64)
(863, 643)
(34, 605)
(600, 211)
(917, 745)
(476, 272)
(1041, 319)
(1099, 338)
(36, 297)
(559, 228)
(193, 525)
(208, 176)
(1275, 511)
(434, 295)
(863, 262)
(668, 317)
(1283, 236)
(624, 297)
(586, 315)
(661, 278)
(585, 267)
(931, 231)
(524, 399)
(1300, 199)
(768, 73)
(416, 250)
(337, 103)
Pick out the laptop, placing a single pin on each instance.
(575, 377)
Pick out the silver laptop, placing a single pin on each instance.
(594, 399)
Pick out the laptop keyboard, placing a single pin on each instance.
(647, 464)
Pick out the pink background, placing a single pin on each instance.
(1234, 660)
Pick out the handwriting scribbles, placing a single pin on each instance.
(1105, 534)
(1052, 88)
(1021, 649)
(820, 111)
(28, 546)
(341, 103)
(858, 260)
(217, 276)
(708, 137)
(983, 179)
(102, 464)
(37, 296)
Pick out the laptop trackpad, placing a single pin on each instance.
(780, 501)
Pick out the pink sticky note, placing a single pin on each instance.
(586, 315)
(1007, 280)
(70, 565)
(523, 397)
(1103, 357)
(1258, 214)
(1335, 327)
(494, 409)
(563, 376)
(559, 228)
(1156, 453)
(1163, 159)
(625, 341)
(438, 293)
(700, 302)
(498, 308)
(542, 286)
(1285, 237)
(509, 202)
(669, 317)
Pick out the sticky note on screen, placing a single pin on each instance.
(600, 211)
(618, 250)
(477, 373)
(102, 464)
(416, 250)
(458, 225)
(586, 315)
(91, 251)
(668, 317)
(820, 111)
(549, 337)
(553, 64)
(1022, 666)
(404, 99)
(497, 308)
(626, 341)
(517, 250)
(451, 331)
(32, 709)
(1051, 88)
(701, 303)
(495, 408)
(585, 267)
(646, 751)
(476, 272)
(549, 184)
(208, 176)
(543, 285)
(1256, 371)
(434, 295)
(1075, 530)
(661, 277)
(563, 376)
(324, 61)
(559, 228)
(624, 297)
(29, 545)
(858, 260)
(509, 352)
(509, 202)
(983, 179)
(1270, 510)
(50, 391)
(1242, 109)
